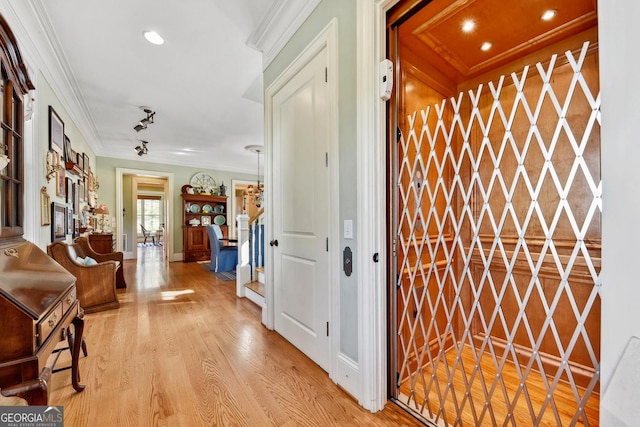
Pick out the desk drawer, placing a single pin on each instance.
(49, 323)
(68, 300)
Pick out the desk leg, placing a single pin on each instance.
(75, 343)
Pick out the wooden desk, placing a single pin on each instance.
(102, 243)
(38, 306)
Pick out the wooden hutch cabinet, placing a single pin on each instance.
(198, 210)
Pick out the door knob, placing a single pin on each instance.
(273, 243)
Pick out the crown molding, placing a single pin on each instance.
(278, 26)
(39, 40)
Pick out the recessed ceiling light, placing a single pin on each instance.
(153, 37)
(486, 46)
(468, 26)
(548, 15)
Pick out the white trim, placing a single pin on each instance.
(371, 189)
(231, 195)
(328, 38)
(168, 237)
(348, 375)
(278, 26)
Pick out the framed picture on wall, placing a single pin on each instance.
(60, 182)
(56, 131)
(69, 220)
(58, 221)
(85, 162)
(68, 152)
(76, 197)
(68, 188)
(45, 212)
(81, 191)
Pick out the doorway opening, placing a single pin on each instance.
(495, 200)
(144, 198)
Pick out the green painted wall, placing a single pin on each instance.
(345, 12)
(106, 172)
(46, 97)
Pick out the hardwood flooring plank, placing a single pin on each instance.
(182, 350)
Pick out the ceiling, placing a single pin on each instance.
(436, 33)
(204, 83)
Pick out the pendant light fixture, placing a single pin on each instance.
(255, 193)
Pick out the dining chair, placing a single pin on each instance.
(148, 234)
(223, 258)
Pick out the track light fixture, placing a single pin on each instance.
(142, 124)
(142, 149)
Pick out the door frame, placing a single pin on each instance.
(235, 184)
(327, 38)
(371, 225)
(168, 235)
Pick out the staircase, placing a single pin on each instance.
(250, 277)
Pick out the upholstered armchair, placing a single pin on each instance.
(223, 258)
(118, 257)
(95, 281)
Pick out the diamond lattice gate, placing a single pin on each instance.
(497, 249)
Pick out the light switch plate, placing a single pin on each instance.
(348, 229)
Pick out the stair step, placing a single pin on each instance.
(256, 287)
(260, 269)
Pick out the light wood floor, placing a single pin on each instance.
(563, 396)
(182, 350)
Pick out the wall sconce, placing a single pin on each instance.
(142, 124)
(4, 159)
(52, 165)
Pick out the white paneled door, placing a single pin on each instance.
(301, 210)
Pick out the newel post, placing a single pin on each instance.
(243, 270)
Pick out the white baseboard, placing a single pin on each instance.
(127, 255)
(347, 375)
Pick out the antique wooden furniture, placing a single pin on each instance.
(205, 209)
(96, 284)
(89, 249)
(102, 243)
(38, 305)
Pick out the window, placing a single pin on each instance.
(149, 212)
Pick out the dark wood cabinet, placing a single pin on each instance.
(198, 210)
(102, 243)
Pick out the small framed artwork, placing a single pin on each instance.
(76, 197)
(68, 152)
(205, 220)
(45, 213)
(69, 220)
(81, 191)
(56, 131)
(68, 188)
(58, 221)
(60, 183)
(85, 162)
